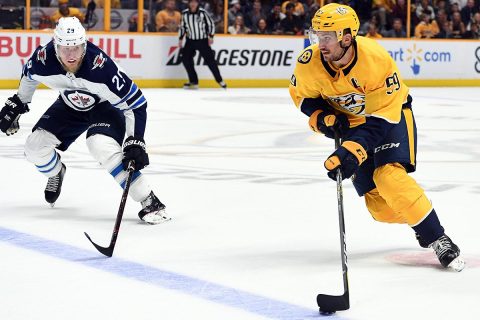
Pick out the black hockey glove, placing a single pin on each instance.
(134, 149)
(327, 122)
(10, 114)
(348, 157)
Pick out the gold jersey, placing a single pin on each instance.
(369, 85)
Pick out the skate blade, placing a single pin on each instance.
(458, 264)
(152, 218)
(52, 204)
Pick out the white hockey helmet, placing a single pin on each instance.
(69, 32)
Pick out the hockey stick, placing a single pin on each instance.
(108, 251)
(329, 304)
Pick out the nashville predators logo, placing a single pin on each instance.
(352, 102)
(306, 56)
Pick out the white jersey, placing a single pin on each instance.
(98, 79)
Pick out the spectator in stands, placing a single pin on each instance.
(458, 27)
(366, 25)
(274, 19)
(381, 8)
(461, 3)
(397, 30)
(234, 11)
(476, 19)
(292, 24)
(442, 5)
(298, 10)
(157, 6)
(425, 8)
(373, 32)
(133, 22)
(65, 11)
(426, 28)
(468, 12)
(168, 19)
(251, 19)
(453, 8)
(311, 6)
(473, 33)
(238, 26)
(399, 10)
(217, 16)
(440, 18)
(261, 27)
(209, 5)
(445, 30)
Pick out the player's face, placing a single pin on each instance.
(71, 56)
(329, 45)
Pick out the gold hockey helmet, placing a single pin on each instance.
(336, 17)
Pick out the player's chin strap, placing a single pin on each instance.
(345, 49)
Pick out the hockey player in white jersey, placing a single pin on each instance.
(96, 96)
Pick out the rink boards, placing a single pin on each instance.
(154, 60)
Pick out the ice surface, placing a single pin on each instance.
(254, 233)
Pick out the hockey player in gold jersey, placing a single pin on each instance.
(350, 84)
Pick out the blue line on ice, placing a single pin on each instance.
(262, 306)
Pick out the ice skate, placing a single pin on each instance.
(222, 84)
(191, 86)
(153, 211)
(54, 186)
(448, 253)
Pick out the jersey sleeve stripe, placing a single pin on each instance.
(133, 90)
(138, 103)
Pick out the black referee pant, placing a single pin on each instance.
(207, 54)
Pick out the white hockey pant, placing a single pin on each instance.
(40, 150)
(109, 154)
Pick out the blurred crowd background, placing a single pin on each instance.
(455, 19)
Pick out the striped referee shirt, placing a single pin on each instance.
(196, 25)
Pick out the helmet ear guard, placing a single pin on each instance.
(337, 18)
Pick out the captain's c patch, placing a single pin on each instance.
(306, 56)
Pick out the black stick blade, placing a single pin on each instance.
(106, 251)
(328, 303)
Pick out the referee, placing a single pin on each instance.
(199, 29)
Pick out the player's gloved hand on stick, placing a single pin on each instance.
(134, 149)
(10, 114)
(348, 157)
(327, 122)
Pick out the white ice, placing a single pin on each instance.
(254, 233)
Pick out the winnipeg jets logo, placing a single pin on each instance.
(42, 55)
(99, 61)
(80, 100)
